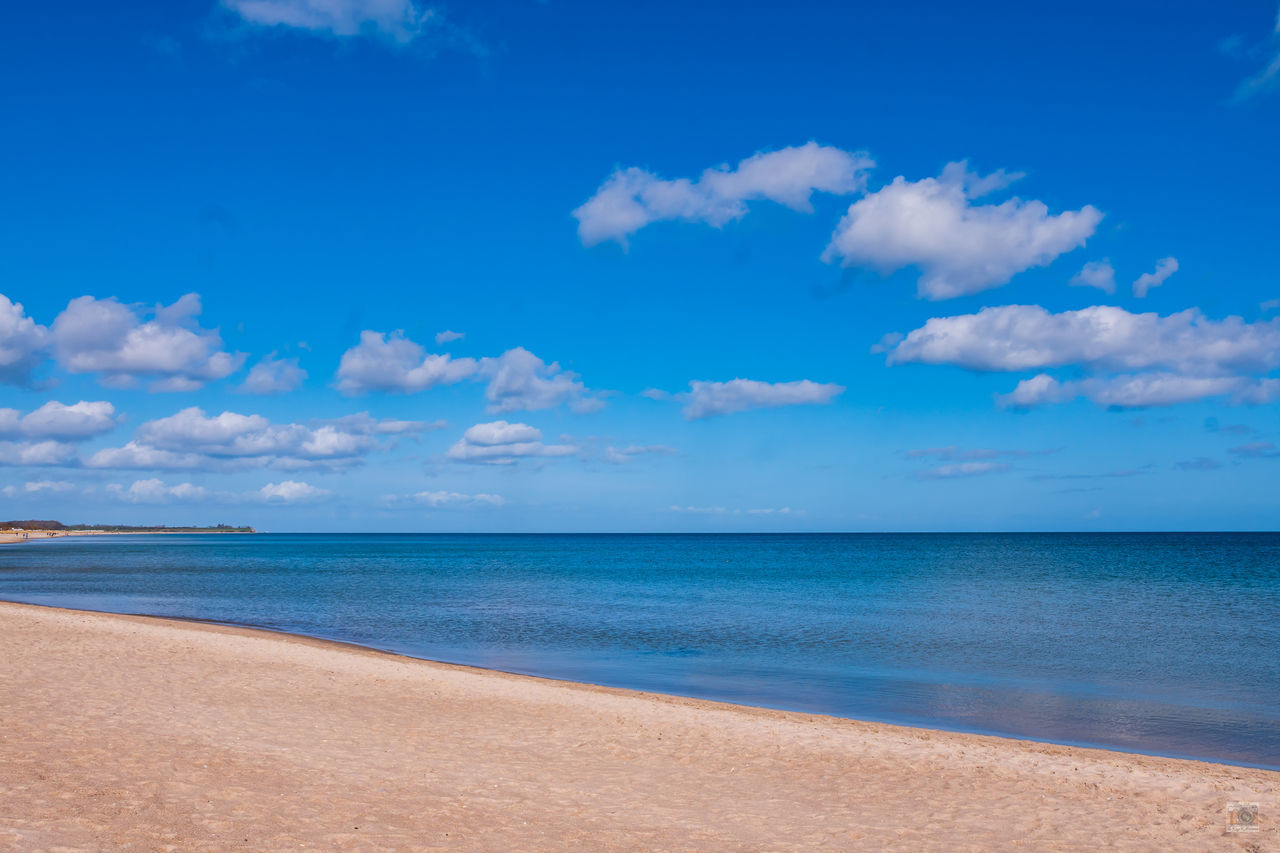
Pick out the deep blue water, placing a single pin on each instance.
(1162, 643)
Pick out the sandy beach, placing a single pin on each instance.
(122, 732)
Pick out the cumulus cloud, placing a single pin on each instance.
(156, 491)
(707, 399)
(37, 487)
(517, 380)
(37, 453)
(191, 439)
(632, 198)
(104, 336)
(520, 381)
(273, 375)
(59, 421)
(398, 20)
(1165, 267)
(448, 336)
(23, 344)
(395, 363)
(1028, 337)
(503, 443)
(957, 246)
(1153, 360)
(1099, 274)
(291, 491)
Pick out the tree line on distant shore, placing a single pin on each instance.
(35, 524)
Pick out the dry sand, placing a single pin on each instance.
(124, 732)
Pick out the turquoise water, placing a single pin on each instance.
(1161, 643)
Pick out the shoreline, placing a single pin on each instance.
(362, 647)
(143, 730)
(8, 538)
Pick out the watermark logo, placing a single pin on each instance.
(1242, 817)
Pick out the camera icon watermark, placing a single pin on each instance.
(1242, 817)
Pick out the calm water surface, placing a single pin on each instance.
(1163, 643)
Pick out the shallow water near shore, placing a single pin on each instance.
(1159, 643)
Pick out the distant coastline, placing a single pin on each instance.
(37, 531)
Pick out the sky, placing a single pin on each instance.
(383, 265)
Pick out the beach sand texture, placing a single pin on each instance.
(124, 732)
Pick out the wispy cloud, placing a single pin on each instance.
(708, 399)
(632, 198)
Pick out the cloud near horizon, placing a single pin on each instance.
(156, 491)
(632, 198)
(959, 247)
(193, 440)
(1155, 360)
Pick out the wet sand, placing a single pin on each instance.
(129, 732)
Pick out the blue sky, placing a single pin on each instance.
(710, 266)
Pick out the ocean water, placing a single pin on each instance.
(1158, 643)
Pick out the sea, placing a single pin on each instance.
(1159, 643)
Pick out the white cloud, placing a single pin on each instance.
(656, 394)
(395, 363)
(958, 247)
(632, 198)
(520, 381)
(502, 443)
(1165, 267)
(1140, 390)
(362, 423)
(36, 487)
(517, 380)
(155, 491)
(1099, 274)
(191, 439)
(1102, 337)
(273, 375)
(705, 399)
(291, 491)
(1154, 360)
(448, 336)
(23, 344)
(56, 420)
(37, 453)
(399, 20)
(104, 336)
(446, 500)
